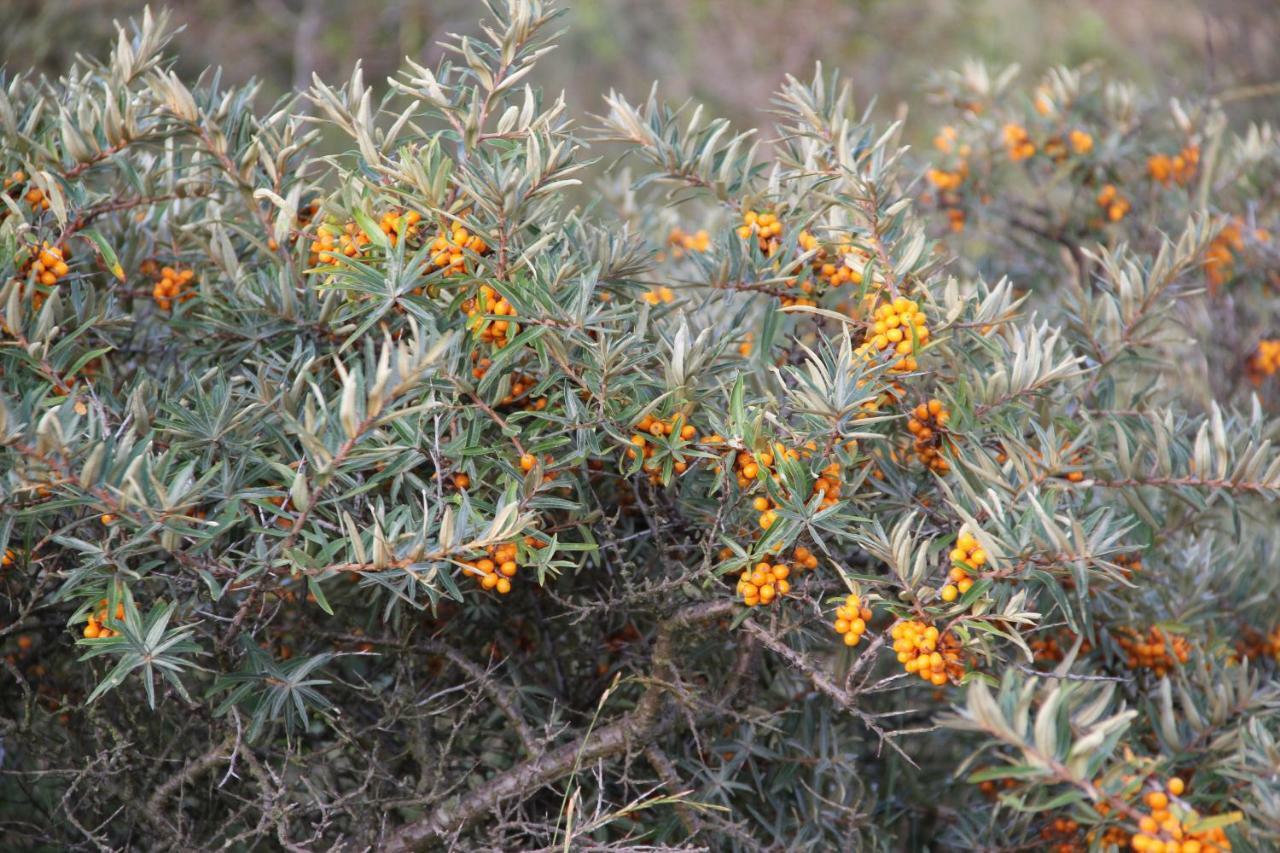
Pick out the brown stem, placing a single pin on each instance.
(631, 731)
(499, 695)
(823, 683)
(193, 768)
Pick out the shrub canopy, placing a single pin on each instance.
(413, 466)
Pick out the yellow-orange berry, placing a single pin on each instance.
(1018, 142)
(494, 571)
(927, 424)
(765, 226)
(924, 651)
(851, 619)
(900, 313)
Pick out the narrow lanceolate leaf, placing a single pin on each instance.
(108, 254)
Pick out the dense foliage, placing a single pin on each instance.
(486, 481)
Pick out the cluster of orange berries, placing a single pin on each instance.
(1051, 649)
(966, 557)
(749, 465)
(96, 627)
(804, 558)
(520, 385)
(948, 181)
(926, 424)
(350, 240)
(171, 284)
(1255, 644)
(851, 620)
(764, 583)
(496, 570)
(682, 242)
(1179, 168)
(768, 511)
(806, 289)
(835, 268)
(766, 227)
(945, 141)
(305, 215)
(1157, 650)
(1130, 564)
(393, 220)
(1114, 206)
(768, 581)
(829, 269)
(35, 196)
(991, 787)
(1164, 831)
(1112, 836)
(922, 650)
(49, 265)
(1221, 255)
(489, 301)
(333, 242)
(828, 485)
(897, 326)
(1018, 141)
(1079, 142)
(482, 365)
(658, 295)
(1265, 360)
(449, 250)
(7, 558)
(651, 427)
(1061, 835)
(1046, 649)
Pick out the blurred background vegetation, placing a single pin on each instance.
(729, 54)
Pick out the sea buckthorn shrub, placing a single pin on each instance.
(1062, 173)
(408, 466)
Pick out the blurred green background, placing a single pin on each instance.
(730, 54)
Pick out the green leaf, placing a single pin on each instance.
(1010, 771)
(313, 585)
(108, 254)
(376, 235)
